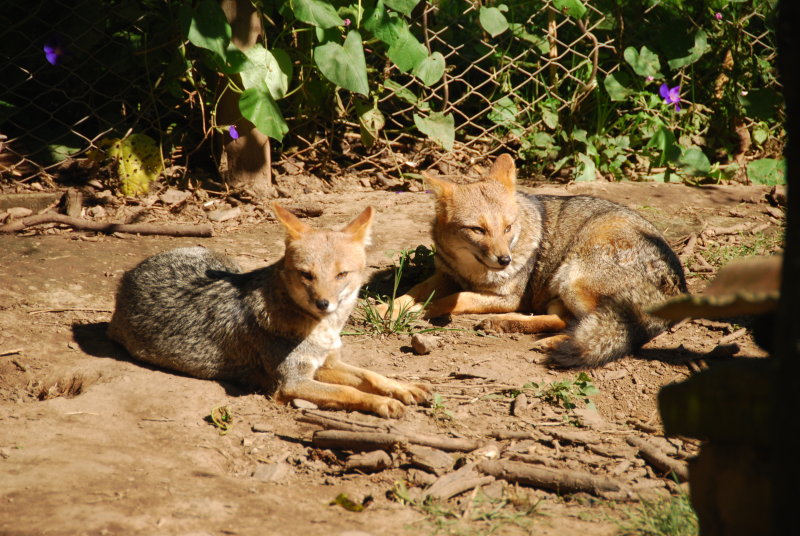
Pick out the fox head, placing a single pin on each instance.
(322, 269)
(478, 222)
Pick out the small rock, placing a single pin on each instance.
(355, 533)
(224, 214)
(261, 428)
(173, 196)
(365, 182)
(590, 418)
(299, 403)
(97, 212)
(774, 212)
(520, 405)
(423, 344)
(272, 472)
(19, 212)
(489, 451)
(94, 183)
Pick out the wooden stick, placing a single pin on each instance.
(332, 423)
(457, 482)
(559, 480)
(201, 230)
(659, 459)
(12, 351)
(369, 462)
(356, 441)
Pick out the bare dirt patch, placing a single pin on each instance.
(93, 443)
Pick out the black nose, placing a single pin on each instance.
(505, 260)
(322, 305)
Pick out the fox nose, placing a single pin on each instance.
(504, 260)
(322, 305)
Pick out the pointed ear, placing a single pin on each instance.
(360, 227)
(504, 171)
(442, 188)
(294, 227)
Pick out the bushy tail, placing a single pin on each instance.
(609, 332)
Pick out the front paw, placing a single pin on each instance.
(388, 408)
(491, 325)
(409, 393)
(403, 304)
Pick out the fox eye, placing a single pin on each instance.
(477, 230)
(508, 229)
(341, 275)
(308, 276)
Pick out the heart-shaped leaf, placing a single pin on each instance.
(316, 12)
(438, 127)
(271, 67)
(385, 25)
(493, 21)
(431, 69)
(258, 106)
(407, 52)
(769, 171)
(694, 162)
(208, 28)
(615, 89)
(573, 8)
(344, 65)
(370, 122)
(700, 47)
(644, 62)
(403, 6)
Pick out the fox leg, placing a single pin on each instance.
(472, 302)
(335, 371)
(438, 284)
(330, 396)
(522, 323)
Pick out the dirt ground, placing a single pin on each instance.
(94, 443)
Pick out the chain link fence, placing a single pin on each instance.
(75, 73)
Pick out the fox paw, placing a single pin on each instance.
(388, 408)
(400, 305)
(492, 325)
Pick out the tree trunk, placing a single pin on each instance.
(246, 162)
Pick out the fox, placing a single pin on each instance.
(277, 328)
(580, 269)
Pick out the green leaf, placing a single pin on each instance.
(258, 106)
(438, 127)
(406, 53)
(403, 92)
(769, 171)
(695, 162)
(209, 29)
(384, 25)
(644, 62)
(344, 65)
(139, 163)
(493, 21)
(234, 61)
(664, 141)
(431, 69)
(520, 32)
(616, 91)
(700, 47)
(370, 122)
(273, 68)
(587, 170)
(403, 6)
(573, 8)
(549, 116)
(316, 12)
(504, 112)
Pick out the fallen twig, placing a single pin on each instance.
(560, 480)
(356, 441)
(12, 351)
(390, 432)
(369, 462)
(659, 459)
(458, 482)
(732, 337)
(200, 230)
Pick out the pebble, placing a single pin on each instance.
(272, 472)
(423, 344)
(224, 214)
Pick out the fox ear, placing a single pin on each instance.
(292, 223)
(360, 227)
(504, 171)
(441, 187)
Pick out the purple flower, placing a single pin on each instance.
(233, 132)
(54, 50)
(347, 22)
(718, 15)
(671, 95)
